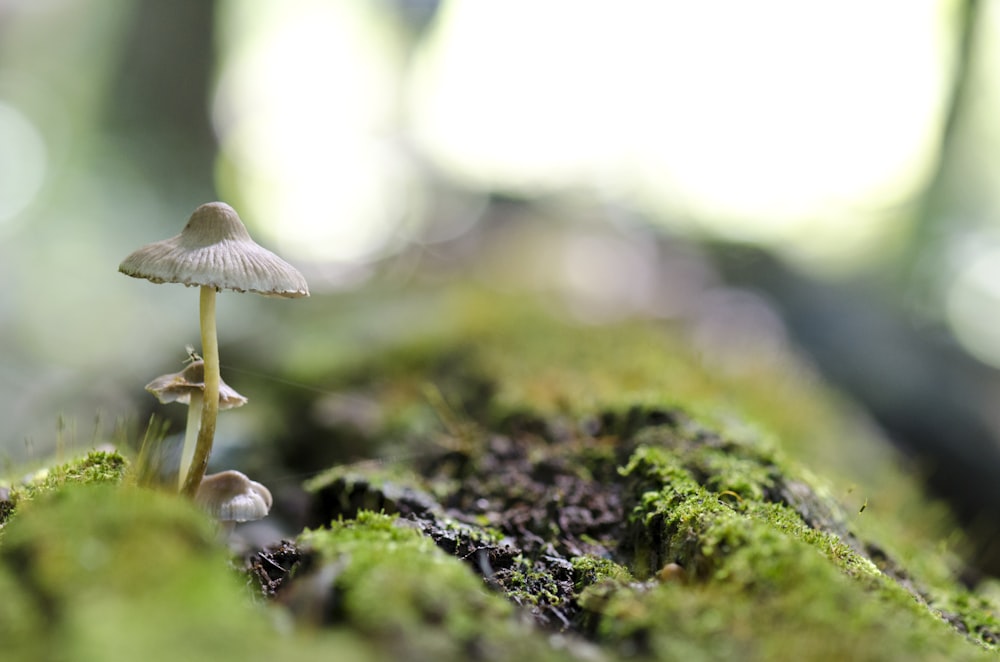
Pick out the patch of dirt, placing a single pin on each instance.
(272, 568)
(518, 503)
(6, 505)
(516, 507)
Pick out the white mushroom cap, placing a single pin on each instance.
(179, 386)
(229, 496)
(215, 250)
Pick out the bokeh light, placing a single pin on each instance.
(973, 303)
(781, 122)
(23, 162)
(304, 111)
(777, 122)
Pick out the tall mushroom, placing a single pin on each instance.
(214, 251)
(187, 387)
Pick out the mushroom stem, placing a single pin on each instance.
(210, 406)
(190, 435)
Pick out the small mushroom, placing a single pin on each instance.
(214, 251)
(230, 497)
(671, 572)
(187, 387)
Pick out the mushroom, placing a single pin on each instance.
(214, 251)
(230, 497)
(187, 387)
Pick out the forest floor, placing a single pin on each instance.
(538, 490)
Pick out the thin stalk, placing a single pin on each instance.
(210, 406)
(190, 436)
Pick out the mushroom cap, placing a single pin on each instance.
(229, 496)
(215, 250)
(179, 386)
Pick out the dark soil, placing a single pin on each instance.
(526, 499)
(272, 568)
(6, 505)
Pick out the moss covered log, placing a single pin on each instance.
(539, 490)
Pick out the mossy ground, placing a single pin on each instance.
(557, 492)
(95, 468)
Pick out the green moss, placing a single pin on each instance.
(727, 470)
(590, 570)
(479, 535)
(531, 585)
(757, 568)
(976, 614)
(393, 584)
(94, 468)
(350, 476)
(676, 519)
(100, 572)
(719, 622)
(111, 573)
(23, 620)
(495, 358)
(720, 488)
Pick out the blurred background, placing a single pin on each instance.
(777, 174)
